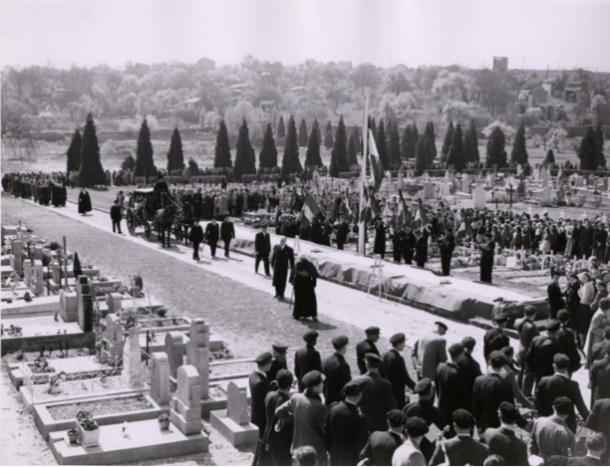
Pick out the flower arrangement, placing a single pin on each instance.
(85, 420)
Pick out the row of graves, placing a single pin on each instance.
(106, 375)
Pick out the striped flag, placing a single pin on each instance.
(376, 166)
(310, 209)
(421, 214)
(404, 216)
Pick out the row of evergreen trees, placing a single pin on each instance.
(83, 156)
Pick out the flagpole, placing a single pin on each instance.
(365, 133)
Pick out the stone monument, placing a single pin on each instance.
(27, 272)
(159, 378)
(132, 369)
(198, 353)
(16, 257)
(185, 407)
(478, 197)
(112, 340)
(68, 306)
(37, 286)
(175, 348)
(234, 422)
(114, 302)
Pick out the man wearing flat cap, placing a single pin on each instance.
(395, 369)
(336, 370)
(259, 387)
(550, 436)
(279, 360)
(488, 249)
(307, 358)
(543, 348)
(495, 339)
(278, 436)
(424, 407)
(489, 391)
(382, 444)
(430, 351)
(367, 346)
(450, 384)
(377, 399)
(470, 368)
(306, 412)
(560, 384)
(462, 449)
(409, 452)
(503, 441)
(345, 432)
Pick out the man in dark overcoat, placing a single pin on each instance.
(115, 216)
(262, 248)
(278, 436)
(395, 369)
(282, 259)
(307, 359)
(212, 233)
(336, 370)
(259, 387)
(227, 233)
(196, 237)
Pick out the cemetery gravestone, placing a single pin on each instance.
(159, 378)
(174, 347)
(478, 197)
(37, 286)
(132, 369)
(113, 300)
(445, 190)
(38, 253)
(55, 272)
(466, 183)
(428, 190)
(185, 408)
(198, 353)
(17, 257)
(27, 272)
(237, 404)
(112, 340)
(545, 196)
(68, 306)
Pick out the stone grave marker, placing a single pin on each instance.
(536, 173)
(465, 183)
(545, 196)
(198, 353)
(174, 347)
(428, 190)
(478, 197)
(16, 257)
(112, 340)
(38, 253)
(237, 404)
(114, 302)
(27, 272)
(445, 189)
(37, 286)
(55, 272)
(85, 304)
(132, 369)
(159, 378)
(185, 406)
(68, 306)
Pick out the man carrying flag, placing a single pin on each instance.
(310, 209)
(404, 215)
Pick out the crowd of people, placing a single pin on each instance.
(452, 410)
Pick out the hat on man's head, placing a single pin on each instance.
(263, 358)
(281, 348)
(397, 338)
(509, 412)
(500, 317)
(497, 358)
(455, 350)
(561, 361)
(396, 418)
(552, 325)
(469, 343)
(423, 385)
(530, 310)
(563, 316)
(416, 427)
(313, 378)
(284, 378)
(339, 341)
(373, 359)
(441, 324)
(353, 388)
(604, 303)
(563, 405)
(310, 336)
(463, 418)
(372, 330)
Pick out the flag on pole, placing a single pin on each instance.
(365, 210)
(421, 214)
(376, 166)
(404, 216)
(375, 208)
(310, 209)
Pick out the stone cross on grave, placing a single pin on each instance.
(185, 406)
(198, 353)
(237, 403)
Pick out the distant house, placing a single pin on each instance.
(573, 90)
(500, 64)
(549, 85)
(194, 103)
(537, 97)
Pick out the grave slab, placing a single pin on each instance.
(146, 441)
(238, 435)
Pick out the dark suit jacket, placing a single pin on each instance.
(362, 348)
(554, 294)
(306, 359)
(115, 212)
(461, 450)
(344, 433)
(227, 230)
(504, 442)
(259, 387)
(489, 392)
(377, 400)
(471, 370)
(196, 234)
(585, 461)
(494, 339)
(552, 387)
(599, 420)
(211, 233)
(338, 374)
(451, 389)
(262, 244)
(380, 447)
(396, 373)
(567, 342)
(282, 438)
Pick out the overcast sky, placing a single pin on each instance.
(532, 34)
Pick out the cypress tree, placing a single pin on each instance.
(281, 128)
(244, 160)
(145, 166)
(73, 153)
(406, 144)
(312, 157)
(421, 155)
(90, 172)
(268, 156)
(518, 155)
(329, 141)
(393, 145)
(352, 151)
(456, 156)
(222, 152)
(472, 153)
(175, 155)
(599, 145)
(290, 162)
(447, 142)
(329, 127)
(415, 135)
(303, 138)
(431, 145)
(129, 163)
(588, 151)
(316, 128)
(496, 155)
(338, 156)
(550, 158)
(356, 136)
(380, 140)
